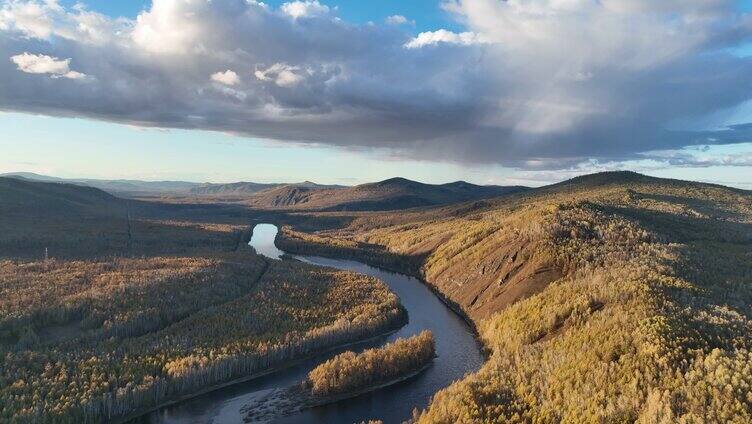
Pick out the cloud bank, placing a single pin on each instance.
(536, 84)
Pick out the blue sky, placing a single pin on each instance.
(447, 84)
(77, 148)
(427, 14)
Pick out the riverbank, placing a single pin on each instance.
(281, 367)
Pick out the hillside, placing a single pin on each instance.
(20, 196)
(391, 194)
(614, 297)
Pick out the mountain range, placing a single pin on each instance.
(390, 194)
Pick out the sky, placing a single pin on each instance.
(492, 92)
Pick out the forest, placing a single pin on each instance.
(612, 297)
(150, 317)
(124, 336)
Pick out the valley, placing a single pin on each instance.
(605, 298)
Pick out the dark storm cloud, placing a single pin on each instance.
(538, 84)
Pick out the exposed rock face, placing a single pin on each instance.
(511, 272)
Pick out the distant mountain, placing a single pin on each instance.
(119, 187)
(230, 188)
(34, 177)
(391, 194)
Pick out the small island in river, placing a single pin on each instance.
(348, 375)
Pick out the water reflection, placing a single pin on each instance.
(263, 241)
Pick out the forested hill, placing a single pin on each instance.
(20, 196)
(110, 308)
(391, 194)
(614, 297)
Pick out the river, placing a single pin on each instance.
(458, 353)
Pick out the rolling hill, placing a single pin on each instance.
(613, 297)
(139, 188)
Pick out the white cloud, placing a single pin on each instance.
(304, 9)
(46, 19)
(397, 20)
(170, 27)
(43, 64)
(281, 74)
(227, 77)
(431, 38)
(30, 18)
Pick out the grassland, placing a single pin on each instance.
(142, 303)
(609, 298)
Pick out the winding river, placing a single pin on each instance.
(458, 353)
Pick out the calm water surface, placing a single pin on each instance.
(458, 353)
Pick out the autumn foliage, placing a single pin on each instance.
(644, 314)
(349, 371)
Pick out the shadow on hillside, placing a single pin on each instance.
(714, 268)
(676, 228)
(120, 232)
(705, 207)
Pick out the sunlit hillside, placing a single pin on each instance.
(609, 298)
